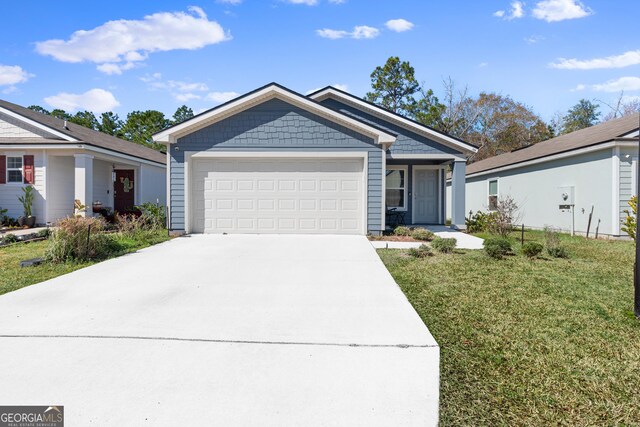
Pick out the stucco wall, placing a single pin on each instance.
(276, 126)
(61, 187)
(536, 189)
(154, 184)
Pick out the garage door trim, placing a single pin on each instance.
(189, 155)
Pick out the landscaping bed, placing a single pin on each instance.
(530, 340)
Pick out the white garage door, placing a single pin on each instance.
(278, 195)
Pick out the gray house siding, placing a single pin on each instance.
(407, 142)
(21, 124)
(276, 126)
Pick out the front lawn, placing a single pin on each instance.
(13, 277)
(531, 342)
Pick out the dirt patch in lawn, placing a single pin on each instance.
(393, 238)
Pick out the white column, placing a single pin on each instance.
(84, 182)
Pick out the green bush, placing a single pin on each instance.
(558, 252)
(444, 245)
(532, 249)
(423, 234)
(153, 216)
(497, 247)
(480, 222)
(43, 234)
(401, 230)
(9, 238)
(420, 252)
(72, 240)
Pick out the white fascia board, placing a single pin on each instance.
(545, 159)
(330, 92)
(393, 156)
(171, 135)
(37, 125)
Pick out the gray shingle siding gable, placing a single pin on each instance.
(407, 142)
(276, 126)
(21, 124)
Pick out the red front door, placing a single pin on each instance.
(123, 190)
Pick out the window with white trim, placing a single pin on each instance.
(14, 169)
(493, 195)
(396, 188)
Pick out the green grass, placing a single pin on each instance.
(531, 342)
(13, 277)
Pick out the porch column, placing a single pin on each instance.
(458, 183)
(84, 182)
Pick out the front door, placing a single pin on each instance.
(425, 196)
(123, 190)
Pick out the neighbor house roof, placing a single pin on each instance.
(598, 134)
(400, 120)
(265, 93)
(75, 133)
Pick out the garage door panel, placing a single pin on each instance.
(278, 196)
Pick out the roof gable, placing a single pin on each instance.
(261, 95)
(412, 125)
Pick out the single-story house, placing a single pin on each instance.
(561, 181)
(276, 161)
(65, 162)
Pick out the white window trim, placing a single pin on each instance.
(404, 168)
(497, 180)
(634, 176)
(21, 169)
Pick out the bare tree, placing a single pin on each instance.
(621, 107)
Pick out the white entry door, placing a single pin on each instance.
(278, 195)
(426, 196)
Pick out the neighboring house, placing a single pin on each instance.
(275, 161)
(65, 162)
(560, 181)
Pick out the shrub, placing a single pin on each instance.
(26, 200)
(71, 240)
(558, 252)
(479, 222)
(43, 234)
(9, 238)
(507, 213)
(630, 222)
(444, 245)
(497, 247)
(532, 249)
(422, 234)
(420, 252)
(401, 230)
(154, 216)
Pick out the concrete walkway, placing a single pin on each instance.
(224, 330)
(463, 240)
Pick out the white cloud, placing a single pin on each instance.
(182, 91)
(626, 84)
(337, 1)
(220, 97)
(359, 32)
(13, 74)
(626, 59)
(517, 11)
(231, 2)
(399, 25)
(307, 2)
(533, 39)
(483, 65)
(96, 100)
(118, 45)
(559, 10)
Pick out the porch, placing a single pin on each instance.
(415, 192)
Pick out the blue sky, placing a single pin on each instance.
(161, 54)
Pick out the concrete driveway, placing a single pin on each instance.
(223, 330)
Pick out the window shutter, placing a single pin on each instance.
(3, 169)
(29, 172)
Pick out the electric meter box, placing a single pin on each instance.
(566, 196)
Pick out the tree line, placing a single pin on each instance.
(138, 127)
(495, 123)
